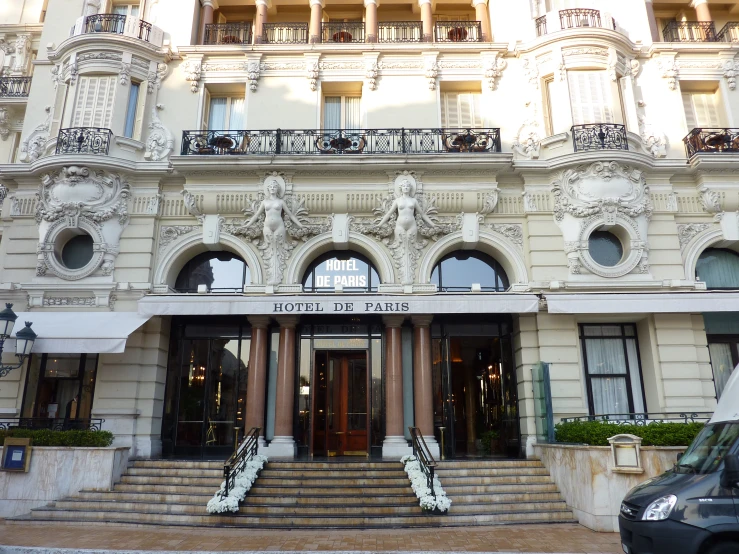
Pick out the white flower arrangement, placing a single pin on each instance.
(241, 484)
(419, 483)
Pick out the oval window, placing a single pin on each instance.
(605, 248)
(77, 252)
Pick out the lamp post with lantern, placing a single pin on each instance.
(24, 339)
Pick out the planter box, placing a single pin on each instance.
(57, 472)
(585, 477)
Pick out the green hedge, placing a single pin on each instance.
(596, 433)
(46, 437)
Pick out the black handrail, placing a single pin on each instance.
(599, 136)
(458, 31)
(690, 31)
(399, 31)
(248, 448)
(84, 140)
(53, 424)
(711, 141)
(284, 33)
(729, 32)
(644, 418)
(423, 455)
(14, 87)
(342, 31)
(228, 33)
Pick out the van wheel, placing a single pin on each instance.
(731, 547)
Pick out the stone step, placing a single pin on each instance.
(253, 499)
(298, 465)
(484, 464)
(494, 480)
(330, 481)
(166, 489)
(269, 473)
(261, 488)
(490, 472)
(167, 480)
(453, 490)
(149, 497)
(292, 521)
(179, 464)
(216, 473)
(506, 497)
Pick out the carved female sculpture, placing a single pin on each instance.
(272, 208)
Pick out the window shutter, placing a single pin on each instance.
(590, 97)
(138, 126)
(82, 119)
(59, 104)
(450, 117)
(206, 111)
(102, 108)
(690, 118)
(704, 109)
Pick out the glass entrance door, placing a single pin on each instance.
(341, 401)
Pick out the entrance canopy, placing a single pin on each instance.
(338, 304)
(79, 332)
(644, 303)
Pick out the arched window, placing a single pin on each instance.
(219, 271)
(718, 268)
(458, 271)
(352, 271)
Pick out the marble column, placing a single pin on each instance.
(483, 16)
(653, 29)
(702, 10)
(206, 16)
(427, 18)
(371, 29)
(283, 444)
(257, 377)
(423, 393)
(260, 20)
(395, 446)
(316, 19)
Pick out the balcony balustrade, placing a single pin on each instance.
(458, 31)
(285, 33)
(118, 24)
(729, 32)
(690, 31)
(228, 33)
(84, 140)
(400, 31)
(318, 141)
(599, 136)
(342, 31)
(711, 141)
(573, 19)
(14, 87)
(541, 26)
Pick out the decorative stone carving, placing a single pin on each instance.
(312, 74)
(65, 301)
(370, 75)
(511, 231)
(490, 201)
(431, 72)
(169, 233)
(124, 75)
(493, 70)
(22, 54)
(731, 70)
(92, 7)
(191, 205)
(76, 200)
(711, 200)
(33, 146)
(603, 196)
(276, 218)
(687, 231)
(531, 71)
(3, 194)
(193, 71)
(154, 78)
(56, 75)
(655, 141)
(670, 72)
(160, 142)
(252, 73)
(529, 204)
(4, 122)
(527, 143)
(613, 65)
(73, 72)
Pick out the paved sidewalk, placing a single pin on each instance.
(564, 538)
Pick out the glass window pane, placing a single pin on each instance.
(635, 375)
(88, 386)
(348, 271)
(605, 356)
(722, 365)
(592, 330)
(62, 366)
(352, 114)
(133, 100)
(29, 396)
(460, 270)
(605, 248)
(719, 269)
(610, 396)
(218, 271)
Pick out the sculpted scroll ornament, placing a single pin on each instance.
(193, 71)
(275, 220)
(686, 232)
(493, 70)
(33, 146)
(160, 142)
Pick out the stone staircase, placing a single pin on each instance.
(317, 495)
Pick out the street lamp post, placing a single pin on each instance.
(24, 339)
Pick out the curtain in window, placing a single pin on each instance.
(722, 365)
(718, 269)
(217, 118)
(352, 116)
(332, 112)
(590, 97)
(236, 118)
(605, 359)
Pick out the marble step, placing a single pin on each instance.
(150, 497)
(260, 488)
(483, 464)
(453, 490)
(292, 465)
(506, 497)
(330, 481)
(169, 480)
(269, 472)
(166, 489)
(176, 472)
(255, 499)
(179, 464)
(491, 472)
(493, 480)
(290, 521)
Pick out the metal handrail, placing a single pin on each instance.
(690, 31)
(248, 448)
(423, 455)
(643, 418)
(51, 423)
(228, 33)
(712, 141)
(84, 140)
(599, 136)
(14, 87)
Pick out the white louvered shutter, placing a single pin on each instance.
(59, 105)
(94, 106)
(206, 111)
(700, 110)
(590, 97)
(461, 110)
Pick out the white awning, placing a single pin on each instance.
(79, 332)
(338, 304)
(643, 303)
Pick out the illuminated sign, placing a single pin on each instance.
(350, 273)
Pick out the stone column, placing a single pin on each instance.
(483, 16)
(370, 20)
(701, 10)
(427, 18)
(206, 16)
(283, 445)
(653, 29)
(257, 377)
(423, 393)
(316, 18)
(395, 446)
(260, 20)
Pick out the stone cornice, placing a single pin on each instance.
(591, 36)
(108, 41)
(346, 49)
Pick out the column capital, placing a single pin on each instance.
(478, 2)
(393, 320)
(421, 320)
(321, 3)
(209, 4)
(422, 2)
(696, 3)
(370, 2)
(259, 321)
(287, 321)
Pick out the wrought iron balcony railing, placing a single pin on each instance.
(54, 424)
(342, 31)
(228, 33)
(458, 31)
(118, 24)
(541, 26)
(644, 418)
(14, 87)
(400, 31)
(580, 17)
(284, 33)
(729, 32)
(362, 141)
(690, 31)
(712, 141)
(599, 136)
(84, 140)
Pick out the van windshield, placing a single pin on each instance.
(709, 448)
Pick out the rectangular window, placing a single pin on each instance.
(701, 110)
(133, 103)
(226, 113)
(461, 110)
(724, 352)
(342, 112)
(94, 105)
(590, 97)
(126, 9)
(612, 369)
